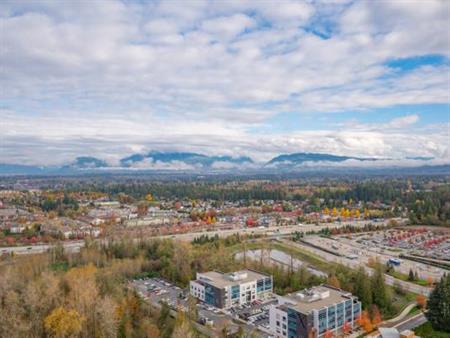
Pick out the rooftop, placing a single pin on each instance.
(316, 298)
(221, 280)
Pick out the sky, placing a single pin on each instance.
(241, 78)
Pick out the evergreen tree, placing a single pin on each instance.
(362, 288)
(439, 305)
(379, 291)
(411, 276)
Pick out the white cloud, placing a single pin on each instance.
(402, 122)
(112, 78)
(158, 165)
(227, 27)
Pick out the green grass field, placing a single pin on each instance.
(427, 331)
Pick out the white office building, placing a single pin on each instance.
(314, 312)
(224, 290)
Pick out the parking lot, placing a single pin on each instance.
(157, 290)
(255, 315)
(362, 248)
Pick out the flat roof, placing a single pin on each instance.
(316, 298)
(221, 279)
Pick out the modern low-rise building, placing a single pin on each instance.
(225, 290)
(313, 312)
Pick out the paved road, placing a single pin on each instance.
(402, 315)
(356, 264)
(364, 253)
(71, 246)
(412, 322)
(74, 246)
(271, 231)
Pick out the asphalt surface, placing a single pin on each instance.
(70, 246)
(157, 290)
(355, 263)
(364, 253)
(412, 322)
(74, 246)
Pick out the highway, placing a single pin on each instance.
(74, 246)
(347, 247)
(70, 246)
(355, 264)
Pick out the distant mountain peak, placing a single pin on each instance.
(420, 158)
(189, 158)
(87, 162)
(308, 157)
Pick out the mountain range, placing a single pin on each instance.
(192, 159)
(189, 161)
(298, 158)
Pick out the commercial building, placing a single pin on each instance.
(225, 290)
(313, 312)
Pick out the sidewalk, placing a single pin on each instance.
(391, 322)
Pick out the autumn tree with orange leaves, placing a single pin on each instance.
(328, 334)
(421, 300)
(376, 316)
(346, 328)
(333, 281)
(364, 321)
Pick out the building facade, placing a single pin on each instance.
(313, 312)
(224, 290)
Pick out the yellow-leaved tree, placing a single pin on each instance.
(183, 327)
(334, 212)
(62, 323)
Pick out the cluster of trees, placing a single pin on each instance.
(439, 305)
(228, 241)
(369, 320)
(203, 239)
(186, 190)
(344, 212)
(430, 207)
(208, 216)
(56, 295)
(413, 276)
(347, 229)
(374, 190)
(425, 205)
(372, 290)
(50, 203)
(86, 294)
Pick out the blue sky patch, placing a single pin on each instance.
(411, 63)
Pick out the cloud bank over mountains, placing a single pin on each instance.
(239, 78)
(160, 162)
